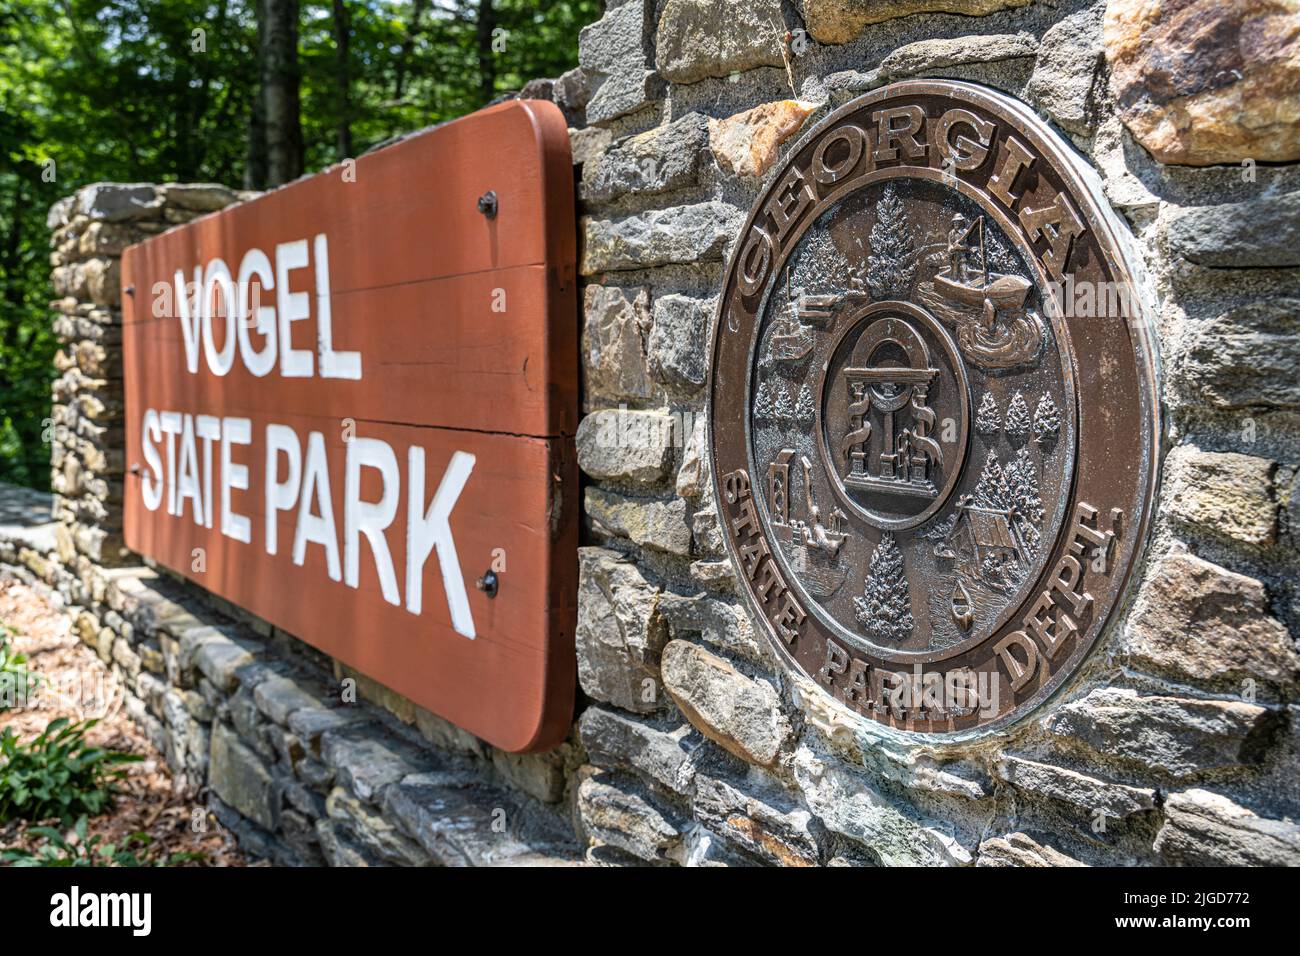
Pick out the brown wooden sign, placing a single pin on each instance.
(350, 407)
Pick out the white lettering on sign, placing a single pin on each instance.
(217, 297)
(316, 524)
(426, 530)
(297, 481)
(179, 447)
(256, 265)
(332, 364)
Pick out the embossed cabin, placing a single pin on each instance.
(984, 543)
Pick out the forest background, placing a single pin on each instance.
(249, 93)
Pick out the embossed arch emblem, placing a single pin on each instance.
(933, 417)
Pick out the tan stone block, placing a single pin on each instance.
(1222, 494)
(1205, 624)
(1200, 82)
(748, 143)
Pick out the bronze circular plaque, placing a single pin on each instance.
(933, 418)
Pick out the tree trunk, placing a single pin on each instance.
(408, 46)
(342, 32)
(281, 80)
(10, 264)
(487, 65)
(255, 157)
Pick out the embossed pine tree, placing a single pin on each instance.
(885, 608)
(989, 418)
(784, 407)
(892, 265)
(765, 403)
(1022, 479)
(992, 491)
(820, 267)
(1018, 420)
(1047, 420)
(804, 413)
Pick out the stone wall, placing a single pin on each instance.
(1176, 743)
(89, 232)
(304, 760)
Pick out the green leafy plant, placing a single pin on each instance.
(16, 681)
(57, 774)
(86, 850)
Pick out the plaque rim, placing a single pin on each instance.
(1117, 243)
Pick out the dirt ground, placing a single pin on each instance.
(77, 684)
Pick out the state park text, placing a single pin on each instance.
(196, 464)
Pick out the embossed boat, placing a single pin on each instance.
(1004, 292)
(962, 607)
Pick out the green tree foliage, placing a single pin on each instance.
(164, 90)
(16, 682)
(26, 341)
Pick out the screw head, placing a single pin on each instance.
(487, 204)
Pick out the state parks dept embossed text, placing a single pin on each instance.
(933, 470)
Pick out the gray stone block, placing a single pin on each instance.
(651, 522)
(766, 823)
(623, 817)
(308, 723)
(367, 761)
(339, 850)
(372, 831)
(679, 341)
(696, 233)
(625, 445)
(1176, 736)
(925, 56)
(621, 742)
(613, 52)
(1208, 829)
(278, 697)
(1245, 357)
(619, 633)
(240, 778)
(1222, 494)
(114, 202)
(461, 826)
(1203, 624)
(1018, 849)
(1069, 57)
(657, 161)
(1088, 794)
(841, 21)
(848, 804)
(1255, 233)
(216, 656)
(697, 39)
(742, 715)
(616, 325)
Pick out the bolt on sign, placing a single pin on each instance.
(933, 415)
(350, 408)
